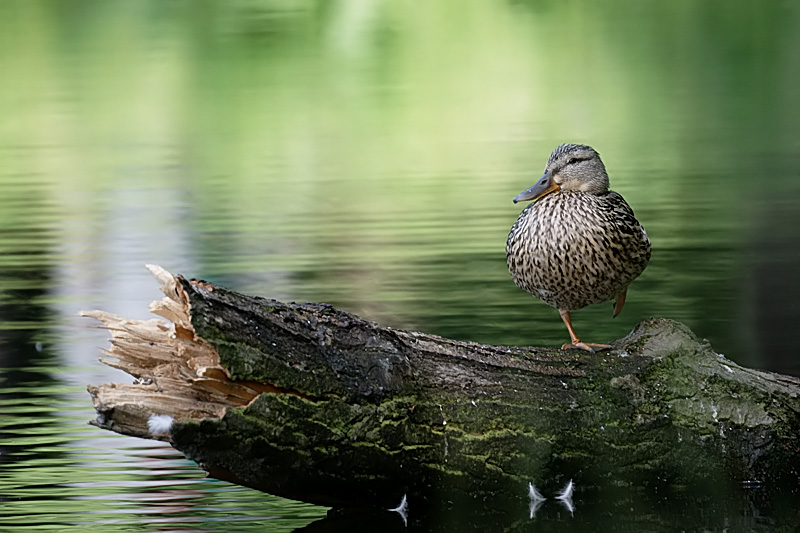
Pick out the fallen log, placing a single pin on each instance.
(315, 404)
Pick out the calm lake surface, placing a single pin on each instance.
(365, 154)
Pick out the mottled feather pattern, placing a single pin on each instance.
(572, 249)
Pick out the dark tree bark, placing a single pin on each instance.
(316, 404)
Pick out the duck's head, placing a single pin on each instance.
(571, 167)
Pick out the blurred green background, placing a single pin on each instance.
(365, 153)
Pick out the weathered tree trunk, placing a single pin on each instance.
(315, 404)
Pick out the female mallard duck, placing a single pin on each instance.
(577, 243)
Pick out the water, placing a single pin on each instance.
(365, 154)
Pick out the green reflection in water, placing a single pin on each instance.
(57, 472)
(366, 153)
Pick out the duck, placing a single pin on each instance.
(577, 243)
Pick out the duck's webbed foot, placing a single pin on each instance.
(576, 342)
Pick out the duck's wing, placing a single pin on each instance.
(626, 220)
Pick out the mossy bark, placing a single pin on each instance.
(354, 414)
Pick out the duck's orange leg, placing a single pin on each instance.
(620, 301)
(576, 342)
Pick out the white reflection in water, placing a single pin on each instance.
(402, 509)
(536, 499)
(565, 497)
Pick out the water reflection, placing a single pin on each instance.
(610, 510)
(365, 154)
(102, 482)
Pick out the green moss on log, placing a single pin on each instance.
(355, 414)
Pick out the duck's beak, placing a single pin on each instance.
(545, 185)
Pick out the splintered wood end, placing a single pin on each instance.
(176, 372)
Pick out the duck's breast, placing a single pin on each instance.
(574, 249)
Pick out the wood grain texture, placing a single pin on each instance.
(313, 403)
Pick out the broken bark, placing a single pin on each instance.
(312, 403)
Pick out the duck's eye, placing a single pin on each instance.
(572, 160)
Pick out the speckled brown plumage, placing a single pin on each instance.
(577, 243)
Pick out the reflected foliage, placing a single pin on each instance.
(365, 154)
